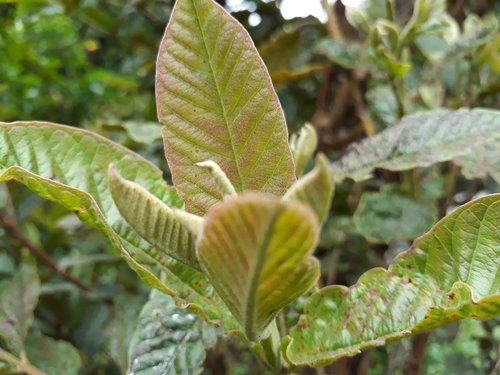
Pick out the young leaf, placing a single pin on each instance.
(217, 101)
(420, 140)
(54, 357)
(168, 340)
(169, 229)
(450, 273)
(18, 299)
(315, 189)
(303, 146)
(255, 249)
(69, 166)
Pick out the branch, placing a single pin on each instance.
(20, 365)
(336, 34)
(37, 251)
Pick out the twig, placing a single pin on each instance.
(20, 365)
(15, 234)
(414, 365)
(336, 34)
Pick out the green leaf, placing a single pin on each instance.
(450, 273)
(483, 162)
(390, 214)
(143, 132)
(169, 229)
(217, 101)
(421, 140)
(168, 340)
(255, 250)
(288, 54)
(303, 146)
(349, 56)
(55, 357)
(363, 16)
(69, 166)
(18, 299)
(315, 189)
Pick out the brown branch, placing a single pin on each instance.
(336, 34)
(37, 251)
(417, 354)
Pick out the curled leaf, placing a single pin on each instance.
(315, 189)
(169, 229)
(450, 273)
(303, 146)
(256, 251)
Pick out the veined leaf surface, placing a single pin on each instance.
(168, 340)
(256, 251)
(69, 166)
(169, 229)
(217, 101)
(315, 189)
(450, 273)
(420, 140)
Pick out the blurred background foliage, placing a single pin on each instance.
(91, 64)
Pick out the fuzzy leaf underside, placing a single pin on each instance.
(450, 273)
(256, 251)
(216, 100)
(168, 340)
(315, 189)
(421, 140)
(69, 166)
(168, 229)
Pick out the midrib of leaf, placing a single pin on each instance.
(250, 306)
(219, 94)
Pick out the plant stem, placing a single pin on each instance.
(16, 234)
(20, 365)
(414, 365)
(336, 34)
(268, 350)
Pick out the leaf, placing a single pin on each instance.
(363, 16)
(420, 140)
(217, 101)
(18, 299)
(450, 273)
(483, 162)
(255, 250)
(349, 56)
(143, 132)
(303, 146)
(169, 229)
(168, 340)
(390, 214)
(288, 54)
(69, 166)
(315, 189)
(54, 357)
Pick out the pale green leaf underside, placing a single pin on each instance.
(303, 145)
(217, 101)
(420, 140)
(450, 273)
(69, 166)
(168, 340)
(256, 251)
(315, 189)
(168, 229)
